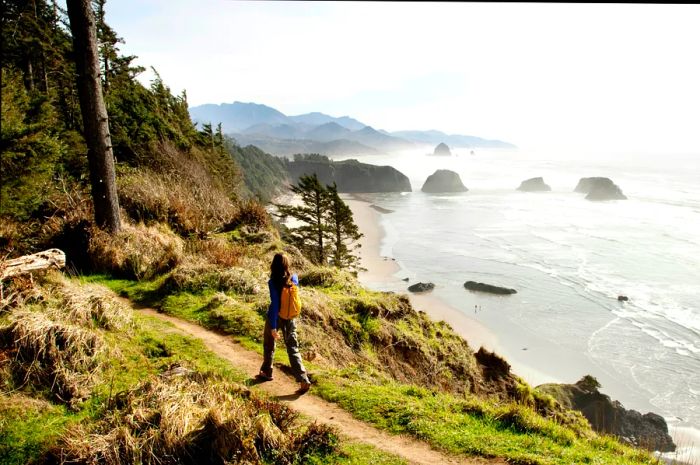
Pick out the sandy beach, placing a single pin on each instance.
(381, 271)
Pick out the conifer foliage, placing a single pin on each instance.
(327, 233)
(343, 230)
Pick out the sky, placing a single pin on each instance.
(563, 75)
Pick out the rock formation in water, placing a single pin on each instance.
(442, 149)
(349, 175)
(443, 181)
(598, 188)
(534, 185)
(481, 287)
(609, 416)
(421, 287)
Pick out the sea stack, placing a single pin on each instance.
(598, 188)
(421, 287)
(534, 185)
(483, 287)
(442, 149)
(442, 181)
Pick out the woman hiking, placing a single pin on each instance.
(280, 278)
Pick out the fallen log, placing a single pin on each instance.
(34, 262)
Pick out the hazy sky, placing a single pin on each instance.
(624, 76)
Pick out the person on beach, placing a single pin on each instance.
(280, 277)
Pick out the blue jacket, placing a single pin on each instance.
(275, 294)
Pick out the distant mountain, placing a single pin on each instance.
(288, 147)
(454, 140)
(373, 138)
(281, 131)
(328, 132)
(237, 116)
(317, 119)
(279, 134)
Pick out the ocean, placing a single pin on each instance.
(569, 259)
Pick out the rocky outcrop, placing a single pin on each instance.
(599, 189)
(442, 149)
(349, 175)
(609, 416)
(534, 185)
(481, 287)
(421, 287)
(442, 181)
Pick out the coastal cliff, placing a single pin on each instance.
(610, 416)
(349, 175)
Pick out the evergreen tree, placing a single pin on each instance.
(343, 231)
(328, 233)
(95, 121)
(310, 236)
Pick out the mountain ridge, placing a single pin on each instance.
(280, 134)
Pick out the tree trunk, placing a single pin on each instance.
(95, 122)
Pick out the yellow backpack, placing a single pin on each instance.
(290, 302)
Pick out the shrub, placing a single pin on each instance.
(250, 213)
(137, 252)
(217, 250)
(190, 208)
(323, 276)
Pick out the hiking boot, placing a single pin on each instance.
(264, 376)
(303, 387)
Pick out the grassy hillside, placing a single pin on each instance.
(85, 379)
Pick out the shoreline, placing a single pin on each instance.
(381, 273)
(382, 270)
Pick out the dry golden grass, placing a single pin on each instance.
(197, 419)
(196, 277)
(138, 251)
(252, 214)
(93, 306)
(55, 343)
(186, 190)
(60, 356)
(217, 250)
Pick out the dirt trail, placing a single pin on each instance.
(283, 388)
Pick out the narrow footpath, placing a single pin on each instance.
(283, 389)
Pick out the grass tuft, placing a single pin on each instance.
(138, 251)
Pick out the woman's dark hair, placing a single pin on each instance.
(279, 270)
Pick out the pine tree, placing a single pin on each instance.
(310, 236)
(95, 121)
(343, 231)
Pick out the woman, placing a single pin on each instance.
(280, 277)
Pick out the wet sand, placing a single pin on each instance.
(383, 272)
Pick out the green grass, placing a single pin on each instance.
(363, 454)
(28, 428)
(458, 425)
(471, 426)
